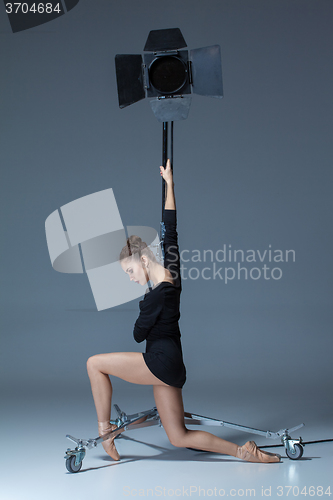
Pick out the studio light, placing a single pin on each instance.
(167, 75)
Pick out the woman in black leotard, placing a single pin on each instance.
(162, 364)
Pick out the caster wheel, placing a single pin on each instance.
(298, 452)
(70, 464)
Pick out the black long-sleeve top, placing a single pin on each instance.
(159, 315)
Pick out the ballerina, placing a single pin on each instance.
(161, 365)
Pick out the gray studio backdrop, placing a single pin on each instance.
(252, 171)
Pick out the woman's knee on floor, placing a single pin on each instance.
(178, 438)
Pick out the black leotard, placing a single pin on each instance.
(159, 315)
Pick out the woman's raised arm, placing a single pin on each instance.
(166, 173)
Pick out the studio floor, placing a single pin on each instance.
(34, 444)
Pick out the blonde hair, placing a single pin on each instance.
(135, 248)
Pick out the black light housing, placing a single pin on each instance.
(168, 75)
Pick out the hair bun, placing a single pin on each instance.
(135, 241)
(134, 246)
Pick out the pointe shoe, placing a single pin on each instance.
(108, 444)
(251, 453)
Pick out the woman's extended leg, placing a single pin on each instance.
(169, 403)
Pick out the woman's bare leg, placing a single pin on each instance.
(129, 366)
(169, 403)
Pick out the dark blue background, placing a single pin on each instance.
(251, 170)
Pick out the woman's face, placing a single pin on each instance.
(134, 270)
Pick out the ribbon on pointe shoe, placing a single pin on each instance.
(108, 444)
(251, 453)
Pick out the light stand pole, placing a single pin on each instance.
(164, 162)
